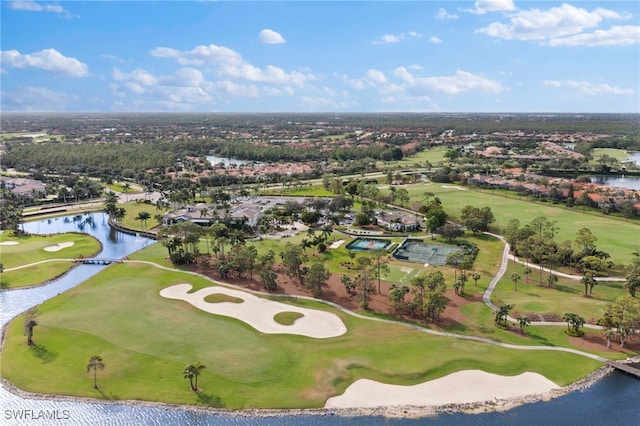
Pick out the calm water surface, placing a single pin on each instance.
(614, 400)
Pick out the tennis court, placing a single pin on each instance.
(420, 252)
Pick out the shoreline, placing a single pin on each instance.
(396, 411)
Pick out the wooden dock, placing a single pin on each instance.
(625, 367)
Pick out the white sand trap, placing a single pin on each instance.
(258, 312)
(454, 187)
(9, 243)
(457, 388)
(336, 244)
(58, 246)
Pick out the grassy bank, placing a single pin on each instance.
(146, 341)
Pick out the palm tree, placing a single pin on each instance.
(589, 282)
(515, 277)
(95, 364)
(29, 323)
(143, 217)
(191, 372)
(126, 188)
(476, 276)
(527, 272)
(523, 321)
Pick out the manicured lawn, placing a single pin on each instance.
(31, 249)
(146, 340)
(35, 274)
(617, 237)
(618, 154)
(433, 156)
(133, 209)
(565, 296)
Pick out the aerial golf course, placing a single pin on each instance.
(147, 339)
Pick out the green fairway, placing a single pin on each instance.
(146, 340)
(565, 296)
(617, 237)
(618, 154)
(16, 252)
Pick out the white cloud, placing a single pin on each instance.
(536, 24)
(484, 6)
(32, 6)
(395, 38)
(461, 81)
(48, 60)
(442, 14)
(271, 37)
(616, 36)
(229, 63)
(587, 88)
(435, 40)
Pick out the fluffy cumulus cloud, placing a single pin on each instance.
(229, 63)
(485, 6)
(49, 60)
(435, 40)
(271, 37)
(588, 88)
(395, 38)
(615, 36)
(461, 81)
(553, 24)
(32, 6)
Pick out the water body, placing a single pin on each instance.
(628, 182)
(634, 157)
(214, 159)
(613, 400)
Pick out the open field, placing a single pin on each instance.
(145, 340)
(617, 237)
(31, 249)
(433, 156)
(618, 154)
(565, 296)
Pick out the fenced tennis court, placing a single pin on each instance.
(420, 252)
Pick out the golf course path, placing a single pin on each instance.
(413, 326)
(39, 262)
(486, 297)
(562, 274)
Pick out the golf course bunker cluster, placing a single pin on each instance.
(259, 312)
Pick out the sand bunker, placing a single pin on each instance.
(259, 312)
(9, 243)
(58, 246)
(457, 388)
(453, 187)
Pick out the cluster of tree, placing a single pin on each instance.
(477, 219)
(633, 277)
(621, 320)
(428, 300)
(361, 285)
(112, 209)
(11, 208)
(250, 150)
(535, 242)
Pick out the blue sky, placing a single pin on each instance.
(326, 56)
